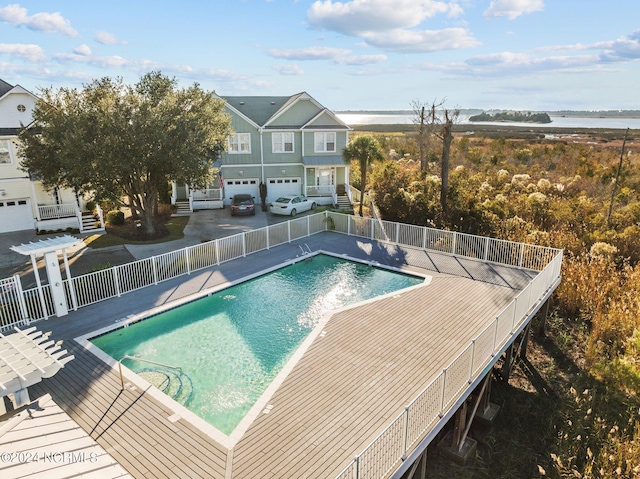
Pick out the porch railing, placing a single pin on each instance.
(324, 190)
(64, 210)
(211, 194)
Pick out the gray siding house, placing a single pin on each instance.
(293, 145)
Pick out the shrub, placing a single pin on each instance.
(90, 205)
(115, 217)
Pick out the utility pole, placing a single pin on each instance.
(615, 182)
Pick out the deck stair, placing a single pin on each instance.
(90, 223)
(182, 207)
(343, 202)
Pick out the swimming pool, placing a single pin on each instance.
(232, 344)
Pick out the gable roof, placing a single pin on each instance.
(4, 87)
(258, 109)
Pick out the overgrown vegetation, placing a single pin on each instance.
(582, 387)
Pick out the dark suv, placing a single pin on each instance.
(243, 205)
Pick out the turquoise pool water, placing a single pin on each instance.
(233, 343)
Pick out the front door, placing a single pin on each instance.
(324, 180)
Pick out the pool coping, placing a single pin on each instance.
(261, 405)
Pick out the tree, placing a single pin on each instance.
(365, 150)
(111, 140)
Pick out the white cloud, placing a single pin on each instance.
(360, 60)
(414, 41)
(311, 53)
(512, 8)
(30, 52)
(391, 24)
(83, 50)
(289, 69)
(360, 16)
(107, 38)
(42, 22)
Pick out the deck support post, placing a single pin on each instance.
(421, 461)
(525, 341)
(543, 317)
(507, 364)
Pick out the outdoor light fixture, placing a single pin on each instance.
(284, 171)
(240, 172)
(3, 192)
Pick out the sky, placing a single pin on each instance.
(533, 55)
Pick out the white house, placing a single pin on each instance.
(24, 203)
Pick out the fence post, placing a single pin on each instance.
(515, 312)
(155, 270)
(486, 248)
(217, 252)
(20, 294)
(444, 388)
(187, 258)
(373, 223)
(308, 226)
(268, 229)
(453, 248)
(406, 432)
(349, 225)
(473, 355)
(289, 231)
(244, 244)
(397, 240)
(520, 261)
(357, 461)
(116, 283)
(495, 338)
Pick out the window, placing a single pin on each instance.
(325, 142)
(240, 143)
(282, 142)
(21, 108)
(5, 155)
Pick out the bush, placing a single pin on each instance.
(115, 217)
(90, 205)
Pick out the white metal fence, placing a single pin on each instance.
(386, 452)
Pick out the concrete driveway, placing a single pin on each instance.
(204, 225)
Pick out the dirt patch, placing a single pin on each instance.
(133, 230)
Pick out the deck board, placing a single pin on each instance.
(348, 386)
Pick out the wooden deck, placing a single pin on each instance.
(352, 381)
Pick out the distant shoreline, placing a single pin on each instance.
(628, 114)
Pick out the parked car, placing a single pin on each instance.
(291, 205)
(243, 205)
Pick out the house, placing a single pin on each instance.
(24, 203)
(291, 144)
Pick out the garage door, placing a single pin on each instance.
(243, 186)
(277, 187)
(15, 215)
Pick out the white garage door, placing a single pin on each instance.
(243, 186)
(277, 187)
(15, 215)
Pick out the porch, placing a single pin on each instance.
(51, 217)
(326, 179)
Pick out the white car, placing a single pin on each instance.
(291, 205)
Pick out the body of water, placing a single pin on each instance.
(365, 118)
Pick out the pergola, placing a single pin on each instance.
(26, 357)
(48, 247)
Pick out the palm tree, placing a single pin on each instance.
(365, 150)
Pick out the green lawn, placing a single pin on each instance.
(175, 225)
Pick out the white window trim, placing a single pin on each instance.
(236, 141)
(325, 135)
(282, 142)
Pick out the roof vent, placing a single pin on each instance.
(242, 103)
(273, 102)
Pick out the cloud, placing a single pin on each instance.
(361, 16)
(107, 38)
(289, 69)
(413, 41)
(622, 49)
(311, 53)
(360, 59)
(42, 22)
(512, 8)
(30, 52)
(82, 50)
(392, 24)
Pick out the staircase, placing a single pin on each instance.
(343, 202)
(89, 223)
(182, 207)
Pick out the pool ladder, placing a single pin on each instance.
(304, 251)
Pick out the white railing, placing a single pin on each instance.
(50, 212)
(210, 194)
(113, 282)
(392, 446)
(321, 190)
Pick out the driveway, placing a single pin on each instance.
(203, 225)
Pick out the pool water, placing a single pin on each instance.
(233, 343)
